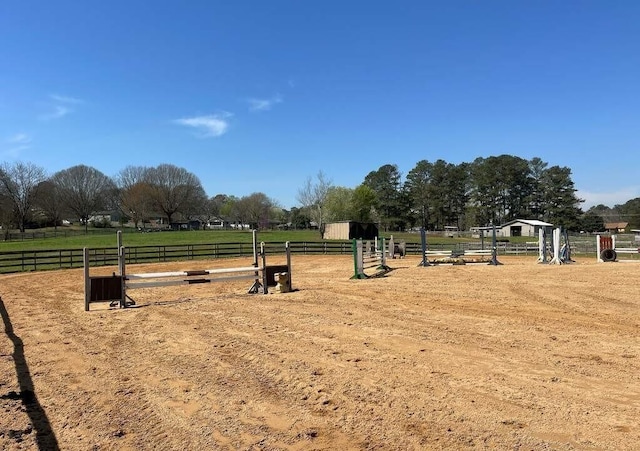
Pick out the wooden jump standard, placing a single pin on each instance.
(366, 257)
(114, 288)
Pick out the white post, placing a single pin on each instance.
(383, 256)
(556, 248)
(254, 233)
(598, 250)
(287, 247)
(542, 246)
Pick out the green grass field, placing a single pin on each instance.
(134, 238)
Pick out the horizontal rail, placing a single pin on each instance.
(158, 275)
(167, 283)
(627, 250)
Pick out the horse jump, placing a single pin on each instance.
(560, 253)
(366, 256)
(114, 288)
(607, 251)
(458, 257)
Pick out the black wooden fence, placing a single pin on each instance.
(19, 261)
(38, 260)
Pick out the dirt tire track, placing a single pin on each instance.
(521, 356)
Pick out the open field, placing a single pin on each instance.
(520, 356)
(107, 237)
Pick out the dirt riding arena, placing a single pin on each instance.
(520, 357)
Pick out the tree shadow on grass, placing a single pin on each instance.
(45, 437)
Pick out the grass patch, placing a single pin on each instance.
(102, 238)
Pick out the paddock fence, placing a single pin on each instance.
(40, 260)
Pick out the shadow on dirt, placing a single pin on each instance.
(45, 437)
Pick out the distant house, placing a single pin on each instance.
(348, 230)
(216, 223)
(240, 226)
(476, 232)
(523, 227)
(111, 218)
(193, 224)
(616, 227)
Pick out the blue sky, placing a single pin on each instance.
(257, 96)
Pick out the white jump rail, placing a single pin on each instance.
(190, 277)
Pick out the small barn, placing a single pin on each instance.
(348, 230)
(616, 227)
(523, 227)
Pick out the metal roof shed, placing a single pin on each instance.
(523, 227)
(348, 230)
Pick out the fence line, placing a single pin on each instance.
(35, 260)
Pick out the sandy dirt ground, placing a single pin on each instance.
(516, 357)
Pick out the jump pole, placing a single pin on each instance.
(542, 246)
(256, 284)
(287, 249)
(494, 249)
(87, 280)
(423, 240)
(565, 251)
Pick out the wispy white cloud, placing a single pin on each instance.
(14, 152)
(20, 138)
(66, 99)
(609, 199)
(16, 145)
(256, 105)
(58, 112)
(60, 106)
(212, 125)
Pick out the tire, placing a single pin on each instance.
(608, 255)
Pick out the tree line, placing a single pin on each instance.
(436, 194)
(432, 195)
(30, 198)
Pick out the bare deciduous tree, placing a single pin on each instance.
(196, 207)
(20, 183)
(134, 193)
(84, 190)
(6, 211)
(257, 209)
(172, 189)
(313, 197)
(49, 201)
